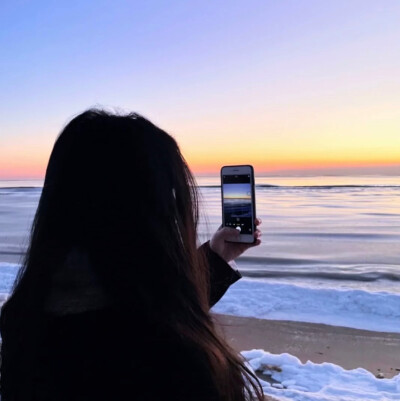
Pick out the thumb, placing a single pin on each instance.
(228, 233)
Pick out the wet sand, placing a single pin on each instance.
(350, 348)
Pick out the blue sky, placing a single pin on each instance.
(205, 71)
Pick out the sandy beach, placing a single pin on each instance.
(349, 348)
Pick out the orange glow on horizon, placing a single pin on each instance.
(20, 170)
(208, 158)
(23, 172)
(24, 160)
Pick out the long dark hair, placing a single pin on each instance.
(118, 187)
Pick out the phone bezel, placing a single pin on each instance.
(238, 170)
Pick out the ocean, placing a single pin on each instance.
(330, 249)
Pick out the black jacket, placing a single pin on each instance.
(88, 357)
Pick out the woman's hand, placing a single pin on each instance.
(231, 250)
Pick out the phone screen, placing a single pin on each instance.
(237, 202)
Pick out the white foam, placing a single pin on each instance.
(8, 272)
(377, 311)
(319, 382)
(3, 298)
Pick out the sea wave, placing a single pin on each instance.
(378, 311)
(262, 267)
(347, 235)
(20, 189)
(261, 187)
(345, 186)
(364, 277)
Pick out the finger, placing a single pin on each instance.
(257, 234)
(257, 221)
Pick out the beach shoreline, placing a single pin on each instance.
(377, 352)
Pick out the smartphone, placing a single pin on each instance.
(238, 201)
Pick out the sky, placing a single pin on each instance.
(291, 87)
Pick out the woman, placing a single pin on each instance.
(113, 298)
